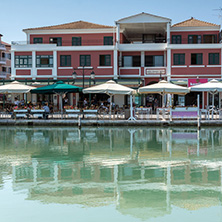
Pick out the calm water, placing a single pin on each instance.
(110, 174)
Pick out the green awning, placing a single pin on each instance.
(58, 87)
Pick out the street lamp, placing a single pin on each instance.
(74, 75)
(92, 77)
(160, 76)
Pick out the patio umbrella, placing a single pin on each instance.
(59, 88)
(213, 87)
(15, 87)
(112, 88)
(163, 87)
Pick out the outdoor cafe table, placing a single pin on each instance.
(20, 113)
(73, 113)
(37, 113)
(143, 113)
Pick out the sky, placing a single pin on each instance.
(24, 14)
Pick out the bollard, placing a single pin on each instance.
(79, 122)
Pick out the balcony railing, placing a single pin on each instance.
(3, 74)
(65, 43)
(2, 59)
(2, 47)
(156, 40)
(199, 41)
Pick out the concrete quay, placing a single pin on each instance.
(75, 123)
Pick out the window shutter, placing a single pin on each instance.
(199, 59)
(107, 60)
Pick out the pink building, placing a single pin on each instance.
(5, 60)
(139, 50)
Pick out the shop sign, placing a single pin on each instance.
(194, 82)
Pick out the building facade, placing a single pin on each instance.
(138, 50)
(5, 59)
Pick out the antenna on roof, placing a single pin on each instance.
(219, 15)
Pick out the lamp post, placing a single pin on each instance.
(92, 78)
(74, 75)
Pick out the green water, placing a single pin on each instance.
(110, 174)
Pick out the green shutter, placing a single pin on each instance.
(37, 40)
(214, 59)
(76, 41)
(85, 60)
(108, 40)
(107, 60)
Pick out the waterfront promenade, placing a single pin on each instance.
(87, 122)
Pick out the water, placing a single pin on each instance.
(110, 174)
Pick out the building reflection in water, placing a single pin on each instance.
(144, 172)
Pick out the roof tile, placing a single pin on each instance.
(72, 25)
(192, 22)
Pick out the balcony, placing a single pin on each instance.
(195, 39)
(2, 60)
(139, 46)
(2, 47)
(90, 42)
(3, 75)
(157, 72)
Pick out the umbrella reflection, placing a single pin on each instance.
(144, 172)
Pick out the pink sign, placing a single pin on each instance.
(194, 82)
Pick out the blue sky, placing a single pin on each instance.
(23, 14)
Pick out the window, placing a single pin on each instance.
(210, 38)
(9, 70)
(176, 39)
(85, 60)
(44, 61)
(3, 55)
(76, 41)
(108, 40)
(156, 61)
(9, 56)
(65, 60)
(192, 39)
(105, 60)
(131, 61)
(3, 69)
(57, 41)
(179, 59)
(196, 59)
(214, 59)
(37, 40)
(23, 61)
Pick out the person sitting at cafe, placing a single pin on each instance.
(85, 103)
(16, 102)
(47, 110)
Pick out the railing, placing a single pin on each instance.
(157, 40)
(65, 43)
(2, 59)
(3, 74)
(200, 41)
(2, 47)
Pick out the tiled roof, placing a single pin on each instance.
(73, 25)
(192, 22)
(5, 43)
